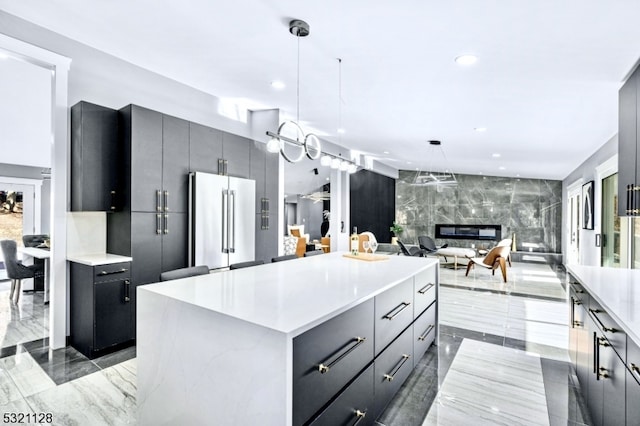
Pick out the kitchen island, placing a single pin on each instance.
(307, 340)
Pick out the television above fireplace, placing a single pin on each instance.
(469, 232)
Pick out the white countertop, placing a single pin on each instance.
(617, 290)
(292, 296)
(98, 259)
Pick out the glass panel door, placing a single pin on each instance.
(611, 230)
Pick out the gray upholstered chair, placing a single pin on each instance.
(411, 251)
(246, 264)
(283, 258)
(191, 271)
(428, 245)
(16, 271)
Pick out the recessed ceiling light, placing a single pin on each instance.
(408, 162)
(385, 152)
(480, 129)
(495, 155)
(466, 59)
(502, 167)
(4, 55)
(328, 178)
(340, 130)
(276, 84)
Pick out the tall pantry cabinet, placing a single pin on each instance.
(152, 225)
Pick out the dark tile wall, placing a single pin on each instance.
(529, 208)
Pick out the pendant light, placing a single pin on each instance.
(437, 161)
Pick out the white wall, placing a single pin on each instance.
(106, 80)
(589, 253)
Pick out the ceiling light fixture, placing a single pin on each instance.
(289, 132)
(480, 129)
(495, 155)
(437, 162)
(466, 60)
(276, 84)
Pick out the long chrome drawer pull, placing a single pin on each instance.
(404, 359)
(604, 327)
(325, 366)
(426, 333)
(119, 271)
(401, 307)
(359, 416)
(426, 288)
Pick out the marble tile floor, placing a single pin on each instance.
(24, 322)
(78, 391)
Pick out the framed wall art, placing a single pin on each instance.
(587, 202)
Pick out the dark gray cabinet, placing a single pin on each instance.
(328, 356)
(599, 348)
(236, 154)
(340, 378)
(264, 170)
(156, 149)
(152, 226)
(628, 149)
(101, 307)
(95, 158)
(633, 384)
(353, 406)
(205, 148)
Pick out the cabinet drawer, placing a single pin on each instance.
(608, 328)
(391, 369)
(111, 272)
(578, 291)
(633, 359)
(394, 312)
(424, 291)
(424, 333)
(328, 356)
(353, 406)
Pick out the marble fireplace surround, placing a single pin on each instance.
(529, 208)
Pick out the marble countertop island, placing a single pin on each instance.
(219, 347)
(617, 290)
(291, 297)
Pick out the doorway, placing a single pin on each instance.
(610, 232)
(573, 228)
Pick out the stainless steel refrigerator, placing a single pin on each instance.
(221, 220)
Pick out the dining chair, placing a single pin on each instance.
(428, 245)
(16, 271)
(191, 271)
(411, 251)
(241, 265)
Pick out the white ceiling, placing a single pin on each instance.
(545, 85)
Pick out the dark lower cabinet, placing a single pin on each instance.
(599, 348)
(353, 406)
(101, 307)
(326, 357)
(391, 369)
(339, 378)
(633, 383)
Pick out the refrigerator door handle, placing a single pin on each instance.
(225, 221)
(232, 222)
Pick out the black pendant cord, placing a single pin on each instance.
(298, 85)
